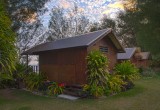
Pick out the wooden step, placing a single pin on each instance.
(74, 91)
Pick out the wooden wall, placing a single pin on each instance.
(112, 51)
(64, 66)
(140, 63)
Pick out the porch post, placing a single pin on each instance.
(27, 63)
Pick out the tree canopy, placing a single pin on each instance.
(144, 23)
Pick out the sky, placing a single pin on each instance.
(93, 9)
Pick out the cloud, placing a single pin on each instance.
(93, 9)
(65, 4)
(116, 5)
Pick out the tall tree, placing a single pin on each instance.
(26, 22)
(68, 24)
(7, 41)
(144, 23)
(22, 11)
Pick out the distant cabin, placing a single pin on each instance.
(136, 56)
(65, 60)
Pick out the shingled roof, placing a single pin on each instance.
(77, 41)
(129, 52)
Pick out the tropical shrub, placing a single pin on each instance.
(128, 72)
(114, 84)
(55, 88)
(34, 81)
(94, 90)
(6, 80)
(20, 73)
(97, 71)
(97, 68)
(8, 53)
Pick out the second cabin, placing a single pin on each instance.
(136, 56)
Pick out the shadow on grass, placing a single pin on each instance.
(29, 96)
(130, 93)
(25, 108)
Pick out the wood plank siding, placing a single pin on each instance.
(64, 66)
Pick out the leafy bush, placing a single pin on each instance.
(114, 84)
(94, 90)
(128, 72)
(34, 81)
(6, 80)
(20, 73)
(97, 70)
(55, 88)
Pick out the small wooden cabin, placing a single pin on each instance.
(138, 58)
(65, 60)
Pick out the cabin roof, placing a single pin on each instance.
(145, 55)
(129, 52)
(77, 41)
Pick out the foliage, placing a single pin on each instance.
(7, 40)
(26, 23)
(97, 70)
(148, 72)
(114, 84)
(34, 81)
(144, 96)
(127, 70)
(55, 88)
(155, 60)
(94, 90)
(120, 29)
(6, 80)
(144, 23)
(22, 11)
(20, 73)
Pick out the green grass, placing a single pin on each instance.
(144, 96)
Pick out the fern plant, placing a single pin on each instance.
(34, 80)
(5, 80)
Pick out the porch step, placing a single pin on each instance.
(75, 90)
(68, 97)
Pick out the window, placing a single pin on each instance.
(103, 49)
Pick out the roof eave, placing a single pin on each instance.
(37, 52)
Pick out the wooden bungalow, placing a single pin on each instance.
(65, 60)
(140, 59)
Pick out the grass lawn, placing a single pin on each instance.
(145, 96)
